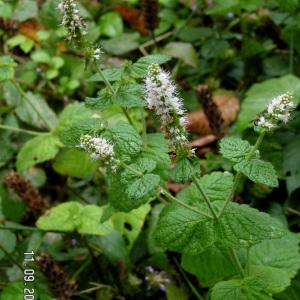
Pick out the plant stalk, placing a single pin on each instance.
(23, 130)
(236, 262)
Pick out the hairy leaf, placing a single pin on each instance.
(185, 169)
(109, 74)
(7, 65)
(258, 171)
(71, 134)
(236, 149)
(130, 96)
(104, 100)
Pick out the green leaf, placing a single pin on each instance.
(216, 186)
(276, 279)
(25, 10)
(71, 134)
(258, 171)
(27, 114)
(37, 150)
(8, 241)
(7, 65)
(130, 224)
(70, 216)
(184, 51)
(125, 139)
(130, 96)
(104, 100)
(14, 290)
(236, 149)
(185, 169)
(140, 68)
(109, 74)
(121, 44)
(211, 265)
(250, 288)
(280, 254)
(289, 6)
(75, 163)
(180, 229)
(157, 141)
(71, 113)
(290, 293)
(111, 24)
(213, 48)
(260, 93)
(291, 170)
(223, 7)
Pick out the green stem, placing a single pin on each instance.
(239, 174)
(144, 133)
(247, 261)
(23, 130)
(81, 268)
(31, 104)
(134, 171)
(236, 262)
(205, 197)
(11, 258)
(172, 198)
(127, 116)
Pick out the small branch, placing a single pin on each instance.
(31, 104)
(11, 258)
(144, 133)
(236, 262)
(205, 197)
(134, 171)
(172, 198)
(23, 130)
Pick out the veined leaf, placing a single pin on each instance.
(130, 96)
(104, 100)
(7, 65)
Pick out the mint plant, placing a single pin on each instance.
(235, 250)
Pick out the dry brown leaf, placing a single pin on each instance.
(228, 106)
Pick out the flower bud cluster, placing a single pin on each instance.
(161, 96)
(97, 147)
(278, 111)
(71, 21)
(156, 280)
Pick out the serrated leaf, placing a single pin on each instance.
(185, 169)
(236, 149)
(104, 100)
(140, 68)
(37, 150)
(142, 165)
(246, 289)
(258, 171)
(71, 134)
(75, 163)
(7, 66)
(125, 139)
(14, 290)
(8, 241)
(157, 141)
(109, 74)
(276, 279)
(71, 113)
(130, 224)
(180, 229)
(260, 93)
(27, 114)
(130, 96)
(210, 266)
(280, 254)
(216, 186)
(70, 216)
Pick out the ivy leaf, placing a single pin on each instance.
(131, 223)
(180, 229)
(280, 254)
(185, 169)
(130, 95)
(250, 288)
(73, 112)
(125, 139)
(236, 149)
(140, 68)
(70, 216)
(71, 134)
(258, 171)
(109, 74)
(216, 186)
(104, 100)
(7, 65)
(37, 150)
(75, 163)
(211, 265)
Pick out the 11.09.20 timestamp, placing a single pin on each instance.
(28, 276)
